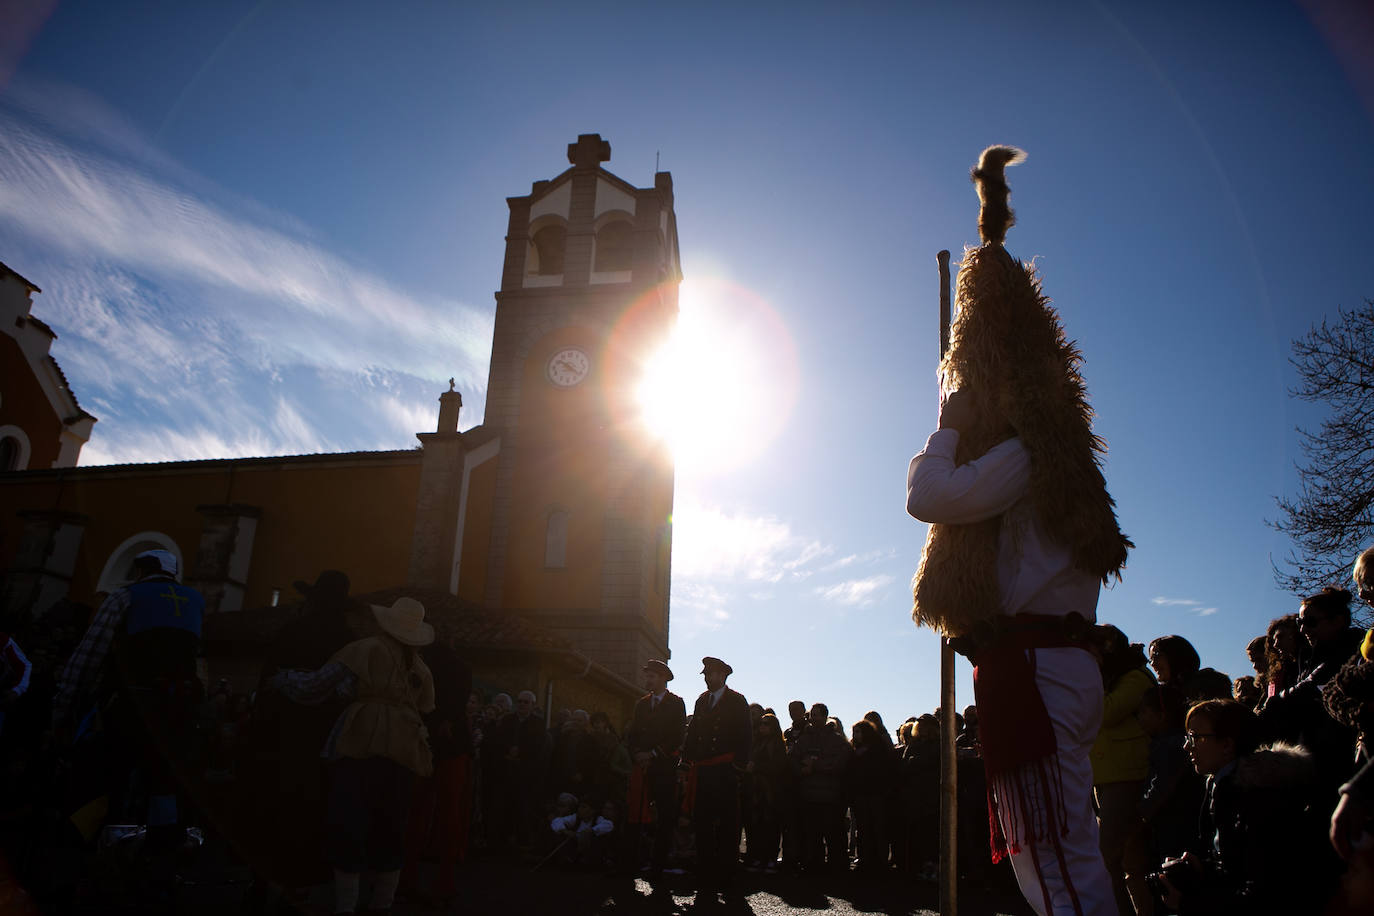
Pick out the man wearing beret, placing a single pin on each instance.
(654, 738)
(717, 747)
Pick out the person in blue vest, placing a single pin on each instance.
(136, 664)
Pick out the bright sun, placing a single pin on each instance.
(724, 384)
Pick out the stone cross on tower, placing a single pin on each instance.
(589, 151)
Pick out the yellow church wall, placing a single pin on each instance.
(351, 512)
(357, 519)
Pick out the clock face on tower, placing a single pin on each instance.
(568, 367)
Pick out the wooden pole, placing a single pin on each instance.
(949, 760)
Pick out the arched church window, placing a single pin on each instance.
(14, 448)
(614, 243)
(549, 243)
(117, 567)
(556, 540)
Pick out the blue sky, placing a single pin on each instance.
(276, 227)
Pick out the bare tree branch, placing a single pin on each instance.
(1331, 519)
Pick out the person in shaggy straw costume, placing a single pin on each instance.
(1022, 535)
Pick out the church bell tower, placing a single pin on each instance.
(580, 532)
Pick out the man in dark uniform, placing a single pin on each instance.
(654, 738)
(717, 747)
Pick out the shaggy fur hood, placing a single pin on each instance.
(1006, 343)
(1279, 766)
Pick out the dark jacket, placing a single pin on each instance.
(771, 777)
(1298, 715)
(529, 736)
(449, 735)
(723, 730)
(1172, 796)
(658, 730)
(820, 761)
(1257, 838)
(872, 771)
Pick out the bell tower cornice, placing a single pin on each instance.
(582, 494)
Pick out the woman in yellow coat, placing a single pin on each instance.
(1121, 762)
(377, 747)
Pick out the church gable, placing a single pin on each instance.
(41, 423)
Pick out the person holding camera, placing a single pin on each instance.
(1253, 855)
(819, 760)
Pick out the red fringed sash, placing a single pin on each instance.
(637, 800)
(1025, 784)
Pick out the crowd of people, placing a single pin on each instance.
(366, 757)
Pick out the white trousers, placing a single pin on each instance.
(1071, 685)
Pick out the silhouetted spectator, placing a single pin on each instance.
(1297, 714)
(877, 720)
(872, 777)
(1257, 651)
(492, 773)
(1349, 698)
(519, 742)
(968, 736)
(819, 759)
(284, 779)
(1210, 684)
(1255, 845)
(791, 818)
(1176, 664)
(796, 711)
(919, 790)
(439, 808)
(574, 761)
(1246, 692)
(769, 775)
(1121, 762)
(1173, 790)
(609, 770)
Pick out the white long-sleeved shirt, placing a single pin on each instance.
(1035, 574)
(598, 825)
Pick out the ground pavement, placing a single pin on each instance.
(213, 884)
(505, 887)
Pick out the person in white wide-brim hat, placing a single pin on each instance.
(377, 747)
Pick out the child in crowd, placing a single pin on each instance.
(584, 836)
(1255, 851)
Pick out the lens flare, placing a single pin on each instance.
(725, 383)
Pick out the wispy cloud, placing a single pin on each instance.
(711, 543)
(855, 592)
(179, 308)
(699, 607)
(860, 559)
(1191, 605)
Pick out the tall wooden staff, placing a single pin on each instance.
(949, 761)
